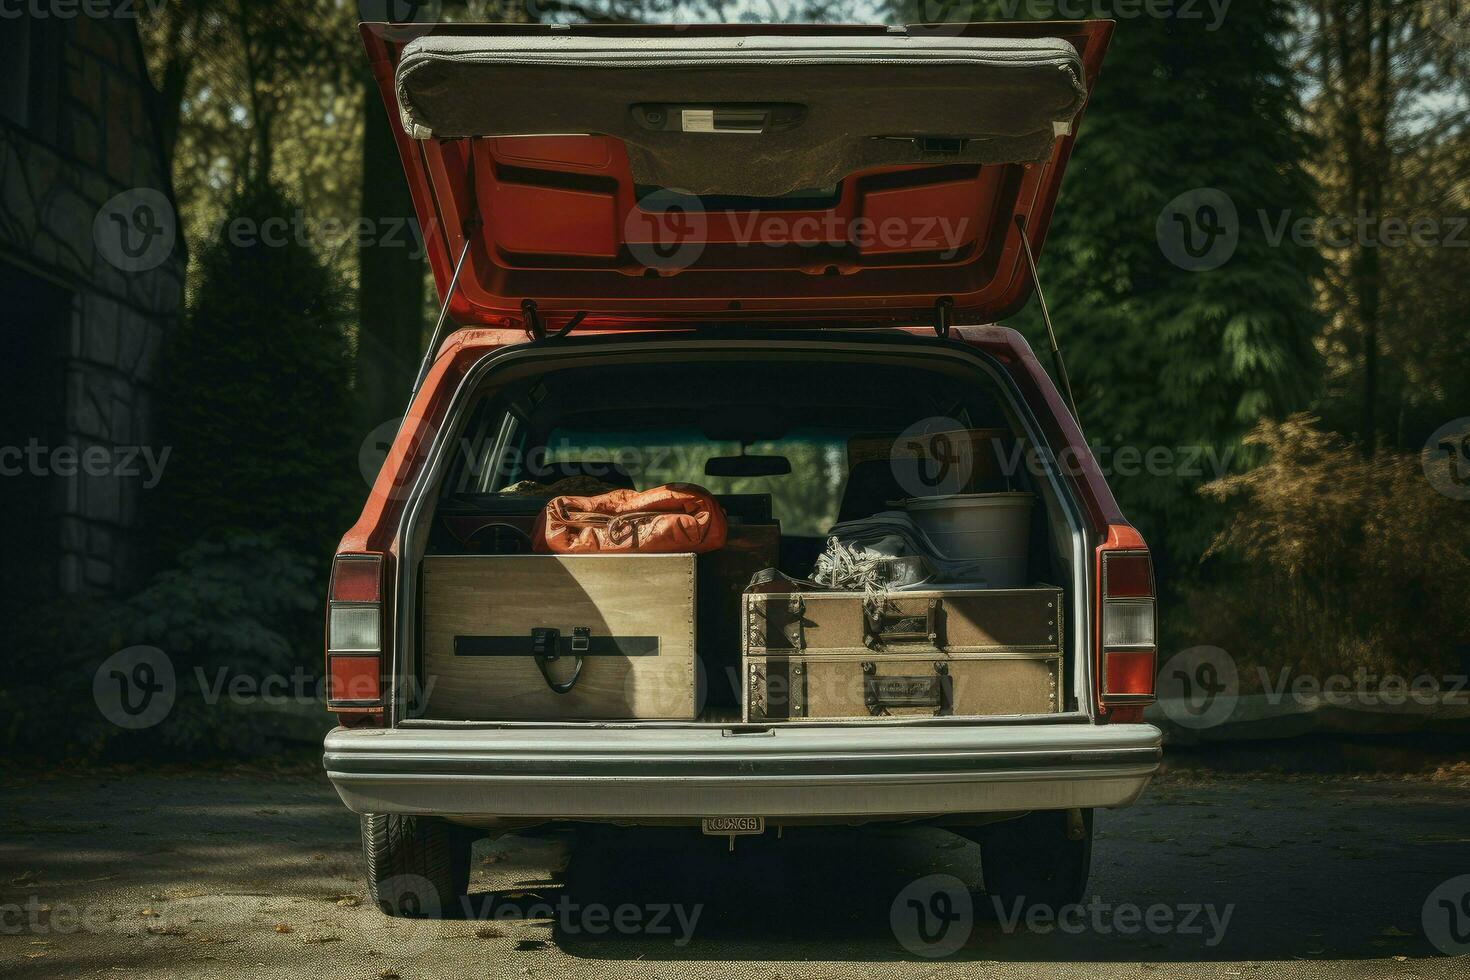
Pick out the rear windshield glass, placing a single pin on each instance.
(806, 497)
(804, 443)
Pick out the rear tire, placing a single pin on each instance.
(1031, 860)
(417, 867)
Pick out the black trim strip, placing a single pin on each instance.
(734, 766)
(520, 646)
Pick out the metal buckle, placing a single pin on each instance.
(546, 642)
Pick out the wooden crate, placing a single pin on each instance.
(829, 686)
(817, 655)
(637, 611)
(960, 621)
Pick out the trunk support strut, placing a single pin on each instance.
(470, 225)
(1051, 334)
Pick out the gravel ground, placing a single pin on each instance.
(246, 872)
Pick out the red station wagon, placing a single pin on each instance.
(769, 261)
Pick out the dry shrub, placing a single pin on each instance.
(1335, 562)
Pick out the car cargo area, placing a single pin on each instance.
(894, 549)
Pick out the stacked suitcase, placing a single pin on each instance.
(829, 655)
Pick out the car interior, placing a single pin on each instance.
(789, 447)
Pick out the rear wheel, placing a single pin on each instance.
(417, 867)
(1034, 861)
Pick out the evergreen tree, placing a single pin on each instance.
(1166, 348)
(259, 413)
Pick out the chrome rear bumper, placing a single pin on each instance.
(845, 773)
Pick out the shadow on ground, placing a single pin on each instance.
(1259, 871)
(189, 873)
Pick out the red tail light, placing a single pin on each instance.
(1127, 626)
(355, 634)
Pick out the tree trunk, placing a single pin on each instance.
(173, 84)
(1355, 34)
(1377, 94)
(390, 288)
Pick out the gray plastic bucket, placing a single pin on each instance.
(989, 527)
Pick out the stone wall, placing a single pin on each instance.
(85, 203)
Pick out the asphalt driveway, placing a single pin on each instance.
(254, 873)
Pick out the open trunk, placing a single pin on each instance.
(792, 439)
(745, 179)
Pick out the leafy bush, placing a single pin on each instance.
(1335, 562)
(234, 607)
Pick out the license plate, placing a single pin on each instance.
(732, 826)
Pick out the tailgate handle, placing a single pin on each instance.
(740, 118)
(546, 647)
(880, 629)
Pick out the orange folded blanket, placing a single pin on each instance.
(671, 519)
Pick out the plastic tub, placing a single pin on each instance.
(993, 528)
